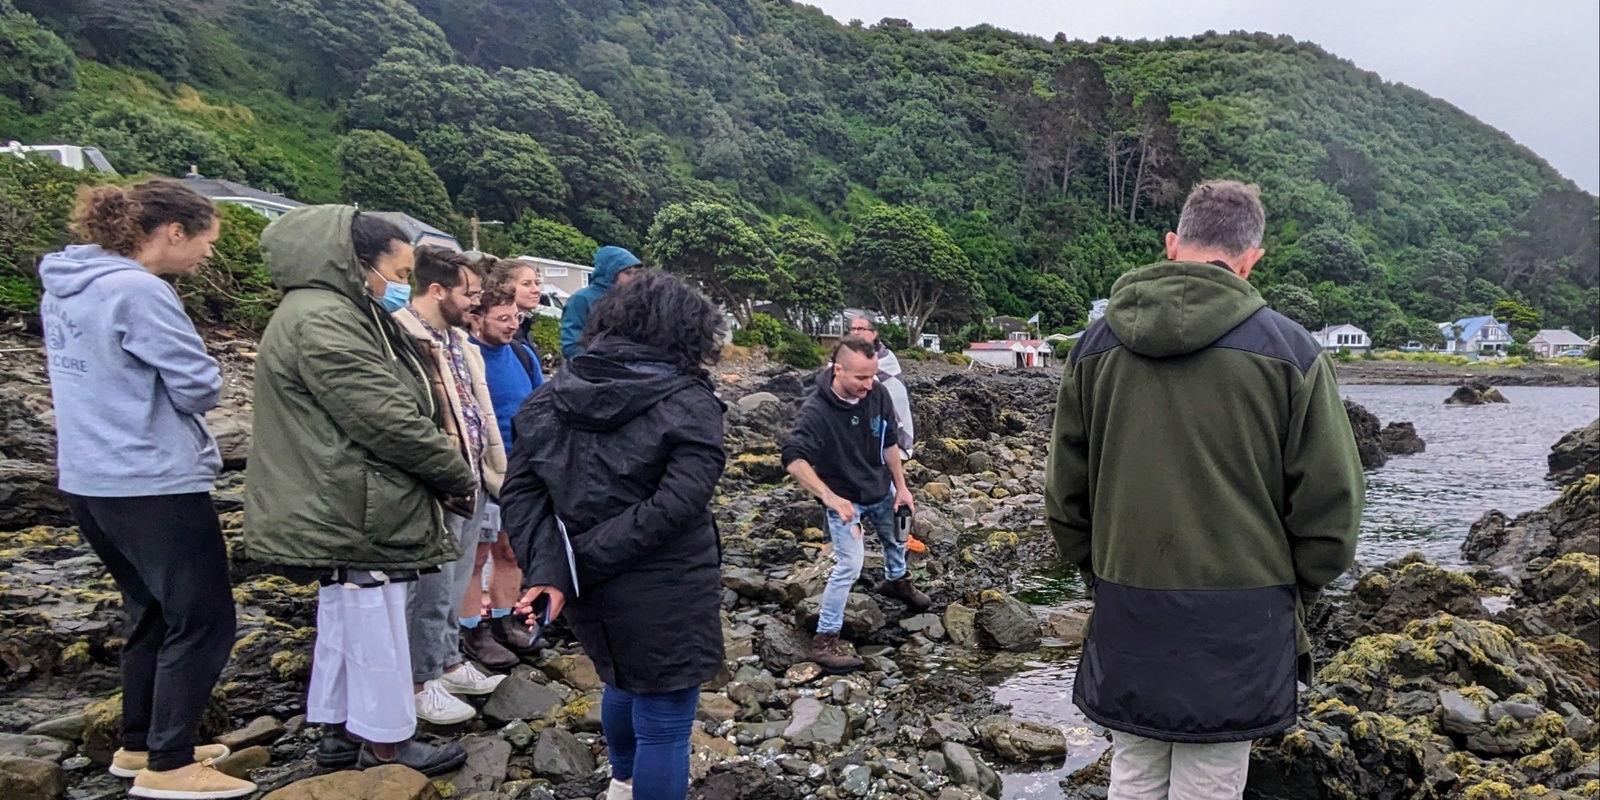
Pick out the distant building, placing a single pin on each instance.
(563, 275)
(1475, 336)
(421, 233)
(1009, 325)
(67, 155)
(1343, 337)
(1097, 309)
(931, 343)
(266, 204)
(1013, 353)
(1547, 343)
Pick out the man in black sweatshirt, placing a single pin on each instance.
(844, 450)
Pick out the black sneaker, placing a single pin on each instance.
(430, 760)
(513, 634)
(336, 750)
(478, 644)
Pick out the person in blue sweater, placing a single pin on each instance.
(513, 372)
(613, 266)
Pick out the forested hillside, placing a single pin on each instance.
(750, 143)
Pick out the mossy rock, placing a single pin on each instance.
(102, 731)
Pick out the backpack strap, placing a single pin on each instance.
(526, 359)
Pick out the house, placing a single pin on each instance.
(1475, 336)
(563, 275)
(67, 155)
(266, 204)
(1009, 325)
(421, 233)
(930, 342)
(1547, 343)
(1017, 353)
(1097, 309)
(1345, 337)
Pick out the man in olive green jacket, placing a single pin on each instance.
(1204, 479)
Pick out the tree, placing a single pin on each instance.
(350, 36)
(383, 174)
(36, 196)
(1296, 303)
(1056, 300)
(493, 173)
(35, 65)
(896, 259)
(710, 245)
(233, 286)
(1329, 255)
(1517, 316)
(545, 238)
(808, 287)
(140, 138)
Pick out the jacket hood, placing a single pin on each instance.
(614, 382)
(70, 271)
(608, 262)
(311, 248)
(1178, 307)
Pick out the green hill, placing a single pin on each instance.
(1054, 166)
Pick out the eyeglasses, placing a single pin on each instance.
(475, 296)
(860, 330)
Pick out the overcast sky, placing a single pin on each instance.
(1528, 67)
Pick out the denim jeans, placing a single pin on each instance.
(848, 552)
(648, 737)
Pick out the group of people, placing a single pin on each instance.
(412, 460)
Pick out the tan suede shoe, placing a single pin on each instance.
(198, 781)
(129, 763)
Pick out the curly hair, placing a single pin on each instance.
(662, 311)
(120, 220)
(503, 273)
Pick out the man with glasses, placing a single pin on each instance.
(448, 289)
(889, 376)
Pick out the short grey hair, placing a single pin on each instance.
(1223, 215)
(872, 325)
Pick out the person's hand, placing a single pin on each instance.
(524, 606)
(844, 508)
(460, 505)
(902, 498)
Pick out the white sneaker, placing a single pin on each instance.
(468, 680)
(435, 704)
(619, 790)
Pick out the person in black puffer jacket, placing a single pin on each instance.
(619, 456)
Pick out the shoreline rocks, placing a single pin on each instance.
(1575, 455)
(1475, 393)
(1375, 443)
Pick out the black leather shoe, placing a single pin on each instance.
(430, 760)
(512, 633)
(478, 644)
(336, 750)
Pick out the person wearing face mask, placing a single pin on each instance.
(130, 380)
(349, 474)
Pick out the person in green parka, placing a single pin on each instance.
(348, 473)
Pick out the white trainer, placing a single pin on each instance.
(619, 790)
(468, 680)
(435, 704)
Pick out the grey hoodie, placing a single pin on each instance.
(130, 379)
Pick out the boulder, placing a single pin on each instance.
(1576, 454)
(965, 768)
(261, 730)
(231, 428)
(389, 782)
(782, 646)
(239, 763)
(1369, 439)
(576, 670)
(485, 769)
(43, 748)
(817, 725)
(1401, 439)
(31, 779)
(1021, 742)
(560, 757)
(961, 623)
(716, 708)
(1475, 394)
(862, 615)
(102, 733)
(1006, 623)
(517, 698)
(755, 400)
(69, 727)
(928, 625)
(1569, 524)
(28, 495)
(1069, 624)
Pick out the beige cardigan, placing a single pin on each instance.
(494, 452)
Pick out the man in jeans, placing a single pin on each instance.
(844, 450)
(1203, 478)
(889, 377)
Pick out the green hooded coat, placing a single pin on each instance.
(348, 458)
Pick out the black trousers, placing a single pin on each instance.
(167, 556)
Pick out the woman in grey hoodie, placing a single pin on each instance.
(131, 381)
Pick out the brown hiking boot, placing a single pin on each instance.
(903, 590)
(513, 634)
(478, 644)
(828, 651)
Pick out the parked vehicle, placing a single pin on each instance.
(1412, 346)
(67, 155)
(1571, 352)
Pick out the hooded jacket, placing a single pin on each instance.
(889, 377)
(348, 457)
(1203, 477)
(626, 451)
(609, 262)
(129, 377)
(844, 442)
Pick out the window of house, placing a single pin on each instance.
(555, 272)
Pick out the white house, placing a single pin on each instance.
(1017, 353)
(1097, 309)
(266, 204)
(1475, 335)
(930, 342)
(563, 275)
(67, 155)
(1343, 337)
(1548, 343)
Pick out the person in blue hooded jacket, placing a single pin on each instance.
(613, 266)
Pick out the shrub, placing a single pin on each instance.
(1063, 349)
(893, 334)
(1594, 353)
(233, 287)
(1520, 350)
(545, 334)
(764, 330)
(36, 197)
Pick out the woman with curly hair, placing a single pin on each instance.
(607, 501)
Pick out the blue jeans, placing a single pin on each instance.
(848, 552)
(648, 737)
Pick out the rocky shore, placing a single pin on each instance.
(1407, 647)
(1421, 373)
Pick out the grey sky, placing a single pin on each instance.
(1528, 67)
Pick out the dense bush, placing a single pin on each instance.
(546, 337)
(36, 197)
(233, 287)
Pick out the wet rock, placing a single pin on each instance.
(1369, 440)
(855, 779)
(1069, 624)
(961, 623)
(817, 725)
(69, 727)
(782, 646)
(1475, 394)
(576, 670)
(1022, 742)
(1459, 715)
(31, 779)
(803, 673)
(240, 763)
(1570, 524)
(942, 728)
(1401, 439)
(485, 769)
(717, 708)
(389, 782)
(1576, 454)
(1006, 623)
(862, 615)
(517, 698)
(965, 768)
(103, 729)
(1563, 600)
(43, 748)
(747, 780)
(261, 730)
(560, 757)
(1410, 588)
(928, 625)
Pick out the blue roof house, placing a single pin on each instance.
(1475, 336)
